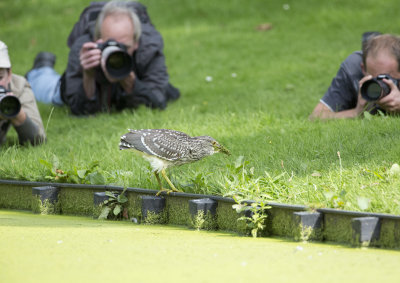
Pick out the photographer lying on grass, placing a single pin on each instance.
(366, 81)
(116, 61)
(18, 105)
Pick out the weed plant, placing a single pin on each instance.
(262, 83)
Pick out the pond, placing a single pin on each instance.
(45, 248)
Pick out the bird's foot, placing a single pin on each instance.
(168, 191)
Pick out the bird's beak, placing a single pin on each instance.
(220, 148)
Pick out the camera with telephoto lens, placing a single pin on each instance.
(118, 62)
(9, 104)
(376, 88)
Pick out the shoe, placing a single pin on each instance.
(369, 34)
(43, 59)
(172, 92)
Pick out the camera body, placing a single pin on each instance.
(118, 62)
(376, 88)
(9, 104)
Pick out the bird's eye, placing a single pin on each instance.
(214, 143)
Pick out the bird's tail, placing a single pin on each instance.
(130, 141)
(124, 145)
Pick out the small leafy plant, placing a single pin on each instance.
(243, 186)
(254, 216)
(90, 175)
(114, 206)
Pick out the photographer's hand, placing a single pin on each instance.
(391, 102)
(89, 56)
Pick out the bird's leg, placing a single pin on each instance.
(168, 181)
(158, 180)
(173, 189)
(159, 184)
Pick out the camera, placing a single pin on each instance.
(9, 104)
(118, 62)
(376, 88)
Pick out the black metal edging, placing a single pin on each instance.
(191, 195)
(358, 213)
(296, 221)
(289, 206)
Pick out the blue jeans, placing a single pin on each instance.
(45, 83)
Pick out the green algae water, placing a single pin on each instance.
(38, 248)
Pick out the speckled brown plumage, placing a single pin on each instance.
(165, 148)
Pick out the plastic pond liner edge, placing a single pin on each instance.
(297, 222)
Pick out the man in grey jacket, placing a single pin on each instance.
(343, 99)
(25, 119)
(88, 87)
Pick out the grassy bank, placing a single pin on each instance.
(264, 85)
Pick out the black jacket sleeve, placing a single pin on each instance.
(72, 92)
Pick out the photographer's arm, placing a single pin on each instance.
(89, 57)
(128, 83)
(28, 123)
(321, 111)
(19, 119)
(89, 85)
(75, 91)
(28, 131)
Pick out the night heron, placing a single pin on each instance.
(165, 148)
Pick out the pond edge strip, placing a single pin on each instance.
(323, 224)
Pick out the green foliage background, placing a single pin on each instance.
(264, 85)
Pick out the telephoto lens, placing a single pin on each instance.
(9, 104)
(118, 62)
(375, 88)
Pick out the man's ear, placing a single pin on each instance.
(363, 69)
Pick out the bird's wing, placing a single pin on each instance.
(165, 144)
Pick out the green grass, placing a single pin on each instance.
(260, 114)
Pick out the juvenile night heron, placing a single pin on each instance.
(165, 148)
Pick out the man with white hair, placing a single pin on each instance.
(18, 105)
(89, 85)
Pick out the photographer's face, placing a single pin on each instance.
(119, 28)
(5, 77)
(383, 63)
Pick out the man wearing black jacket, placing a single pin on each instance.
(88, 87)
